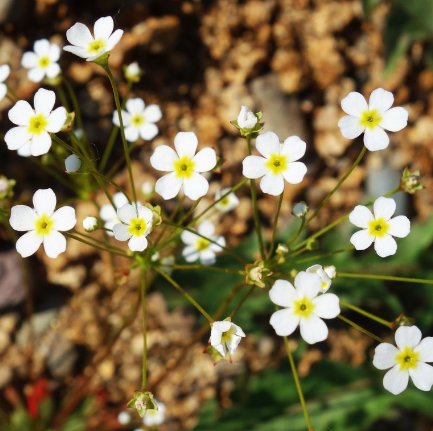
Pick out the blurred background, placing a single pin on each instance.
(80, 361)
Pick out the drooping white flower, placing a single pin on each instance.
(300, 209)
(378, 228)
(407, 359)
(279, 162)
(5, 70)
(246, 118)
(228, 203)
(139, 120)
(153, 417)
(326, 280)
(133, 72)
(135, 226)
(201, 248)
(35, 125)
(185, 168)
(124, 417)
(90, 224)
(72, 164)
(89, 46)
(303, 307)
(42, 61)
(372, 118)
(225, 337)
(42, 224)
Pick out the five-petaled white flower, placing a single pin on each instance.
(407, 359)
(154, 417)
(43, 61)
(279, 162)
(371, 118)
(43, 224)
(201, 248)
(139, 120)
(133, 72)
(225, 337)
(184, 167)
(228, 202)
(5, 70)
(303, 307)
(91, 47)
(378, 228)
(323, 274)
(135, 226)
(35, 125)
(246, 118)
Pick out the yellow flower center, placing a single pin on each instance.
(44, 62)
(43, 225)
(324, 284)
(277, 163)
(378, 227)
(224, 202)
(137, 226)
(407, 359)
(303, 307)
(96, 46)
(227, 336)
(370, 119)
(137, 120)
(152, 412)
(184, 167)
(37, 124)
(202, 244)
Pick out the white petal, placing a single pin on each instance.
(207, 257)
(206, 228)
(395, 381)
(5, 70)
(145, 213)
(354, 104)
(385, 246)
(425, 349)
(3, 91)
(29, 60)
(283, 293)
(272, 184)
(64, 219)
(40, 144)
(107, 212)
(294, 147)
(399, 226)
(54, 52)
(44, 101)
(188, 237)
(28, 244)
(422, 376)
(103, 28)
(190, 253)
(384, 356)
(350, 127)
(126, 213)
(384, 207)
(327, 306)
(205, 160)
(17, 137)
(284, 322)
(126, 118)
(186, 144)
(220, 240)
(395, 119)
(407, 336)
(121, 232)
(308, 284)
(222, 349)
(42, 47)
(137, 243)
(361, 216)
(24, 151)
(80, 52)
(114, 39)
(267, 144)
(148, 131)
(120, 199)
(44, 202)
(295, 172)
(361, 239)
(131, 133)
(21, 113)
(22, 218)
(313, 329)
(376, 139)
(54, 244)
(53, 70)
(152, 113)
(238, 331)
(169, 186)
(163, 158)
(254, 167)
(135, 106)
(79, 35)
(233, 344)
(381, 100)
(36, 74)
(196, 186)
(56, 120)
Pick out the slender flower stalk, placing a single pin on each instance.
(360, 328)
(366, 314)
(144, 312)
(385, 278)
(274, 228)
(206, 268)
(75, 103)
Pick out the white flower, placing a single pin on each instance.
(135, 226)
(300, 209)
(407, 359)
(133, 72)
(277, 164)
(124, 418)
(72, 164)
(303, 307)
(246, 118)
(43, 224)
(43, 61)
(228, 203)
(139, 120)
(225, 337)
(90, 224)
(371, 118)
(184, 167)
(378, 228)
(200, 248)
(5, 70)
(326, 280)
(35, 125)
(155, 417)
(91, 47)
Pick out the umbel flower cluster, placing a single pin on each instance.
(149, 237)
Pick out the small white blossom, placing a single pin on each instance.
(124, 418)
(139, 120)
(303, 307)
(135, 226)
(35, 125)
(378, 228)
(228, 203)
(372, 118)
(407, 359)
(225, 337)
(72, 164)
(153, 417)
(326, 280)
(89, 46)
(201, 248)
(279, 162)
(43, 61)
(43, 224)
(90, 224)
(133, 72)
(300, 209)
(5, 70)
(148, 188)
(246, 118)
(185, 168)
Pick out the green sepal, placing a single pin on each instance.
(69, 122)
(409, 181)
(255, 273)
(142, 402)
(254, 131)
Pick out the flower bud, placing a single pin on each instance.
(246, 118)
(133, 72)
(403, 320)
(142, 402)
(409, 182)
(148, 189)
(90, 224)
(256, 272)
(72, 164)
(300, 209)
(331, 271)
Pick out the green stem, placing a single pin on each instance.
(143, 310)
(121, 159)
(301, 228)
(274, 228)
(366, 314)
(62, 96)
(206, 268)
(319, 256)
(75, 103)
(360, 328)
(243, 299)
(102, 243)
(385, 277)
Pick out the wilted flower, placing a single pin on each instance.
(225, 337)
